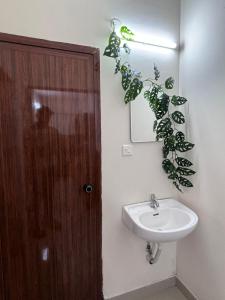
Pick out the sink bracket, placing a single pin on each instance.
(153, 252)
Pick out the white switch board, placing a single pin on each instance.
(127, 150)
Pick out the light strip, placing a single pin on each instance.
(150, 42)
(145, 40)
(166, 44)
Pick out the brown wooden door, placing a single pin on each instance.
(50, 227)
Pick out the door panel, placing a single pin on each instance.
(50, 147)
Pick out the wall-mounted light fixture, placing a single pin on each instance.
(145, 39)
(151, 42)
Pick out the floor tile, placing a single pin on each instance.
(169, 294)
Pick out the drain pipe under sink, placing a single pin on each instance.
(153, 252)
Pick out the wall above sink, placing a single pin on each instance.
(161, 100)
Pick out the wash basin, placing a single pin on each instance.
(169, 222)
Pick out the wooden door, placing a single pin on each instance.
(50, 222)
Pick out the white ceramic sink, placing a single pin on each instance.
(171, 221)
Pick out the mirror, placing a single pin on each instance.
(141, 121)
(141, 115)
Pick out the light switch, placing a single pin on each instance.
(127, 150)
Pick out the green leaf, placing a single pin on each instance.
(113, 48)
(165, 134)
(112, 51)
(168, 166)
(165, 151)
(170, 142)
(151, 95)
(183, 162)
(164, 126)
(184, 146)
(178, 117)
(134, 90)
(173, 176)
(156, 73)
(126, 33)
(126, 80)
(118, 66)
(126, 76)
(162, 106)
(185, 171)
(185, 182)
(177, 100)
(159, 105)
(169, 83)
(180, 137)
(177, 186)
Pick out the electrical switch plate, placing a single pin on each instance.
(127, 150)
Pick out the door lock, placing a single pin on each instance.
(88, 188)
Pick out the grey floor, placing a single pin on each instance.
(169, 294)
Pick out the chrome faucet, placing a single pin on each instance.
(153, 202)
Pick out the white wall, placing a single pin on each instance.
(125, 180)
(201, 257)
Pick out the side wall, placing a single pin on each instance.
(125, 179)
(200, 257)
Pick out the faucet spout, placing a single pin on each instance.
(154, 202)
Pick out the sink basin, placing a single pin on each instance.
(171, 221)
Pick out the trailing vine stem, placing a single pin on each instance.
(174, 153)
(174, 141)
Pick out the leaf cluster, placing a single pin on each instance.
(174, 141)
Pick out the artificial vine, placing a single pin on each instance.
(164, 107)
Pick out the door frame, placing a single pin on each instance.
(95, 53)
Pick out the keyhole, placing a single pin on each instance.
(88, 188)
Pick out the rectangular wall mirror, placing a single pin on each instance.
(141, 121)
(141, 116)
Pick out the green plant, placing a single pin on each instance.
(164, 107)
